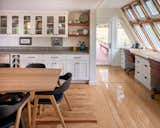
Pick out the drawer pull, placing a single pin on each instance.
(145, 77)
(54, 57)
(77, 57)
(145, 65)
(31, 57)
(138, 61)
(137, 72)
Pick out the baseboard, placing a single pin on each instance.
(92, 82)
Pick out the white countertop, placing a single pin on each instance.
(146, 54)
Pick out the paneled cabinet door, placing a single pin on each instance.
(79, 69)
(38, 25)
(28, 26)
(15, 25)
(59, 65)
(3, 24)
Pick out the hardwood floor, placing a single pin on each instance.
(118, 101)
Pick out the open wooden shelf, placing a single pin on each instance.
(79, 24)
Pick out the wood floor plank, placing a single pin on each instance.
(117, 101)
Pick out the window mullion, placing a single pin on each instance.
(155, 30)
(139, 37)
(134, 13)
(148, 38)
(157, 5)
(144, 10)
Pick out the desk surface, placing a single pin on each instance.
(28, 79)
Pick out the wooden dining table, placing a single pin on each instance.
(28, 80)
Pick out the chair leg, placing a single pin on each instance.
(53, 101)
(68, 102)
(29, 113)
(19, 112)
(35, 109)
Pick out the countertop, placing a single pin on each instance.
(146, 54)
(40, 50)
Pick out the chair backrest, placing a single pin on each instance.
(36, 65)
(129, 57)
(67, 77)
(9, 103)
(4, 65)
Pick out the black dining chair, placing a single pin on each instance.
(11, 105)
(46, 97)
(4, 65)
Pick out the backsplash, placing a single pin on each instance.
(38, 42)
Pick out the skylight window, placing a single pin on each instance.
(139, 11)
(142, 36)
(130, 15)
(151, 8)
(157, 26)
(153, 36)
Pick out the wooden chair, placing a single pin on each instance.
(51, 97)
(11, 106)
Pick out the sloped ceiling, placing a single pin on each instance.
(49, 5)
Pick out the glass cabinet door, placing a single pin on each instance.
(27, 24)
(61, 25)
(3, 24)
(50, 25)
(38, 25)
(15, 25)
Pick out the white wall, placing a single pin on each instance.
(111, 16)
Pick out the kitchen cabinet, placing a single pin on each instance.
(37, 24)
(3, 24)
(122, 55)
(78, 65)
(142, 71)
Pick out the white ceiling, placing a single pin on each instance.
(49, 5)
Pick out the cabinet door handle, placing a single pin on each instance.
(145, 77)
(137, 72)
(77, 57)
(138, 62)
(31, 57)
(54, 57)
(145, 65)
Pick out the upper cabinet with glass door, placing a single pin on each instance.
(57, 25)
(15, 25)
(27, 28)
(61, 25)
(50, 25)
(38, 25)
(3, 25)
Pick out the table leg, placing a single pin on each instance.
(35, 108)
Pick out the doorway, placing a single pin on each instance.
(103, 44)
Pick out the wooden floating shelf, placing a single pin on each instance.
(78, 35)
(79, 24)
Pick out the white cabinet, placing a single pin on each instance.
(26, 59)
(34, 24)
(142, 71)
(122, 55)
(78, 65)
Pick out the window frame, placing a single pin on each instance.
(149, 19)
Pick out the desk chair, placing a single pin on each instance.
(129, 61)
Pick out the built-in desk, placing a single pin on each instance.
(147, 67)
